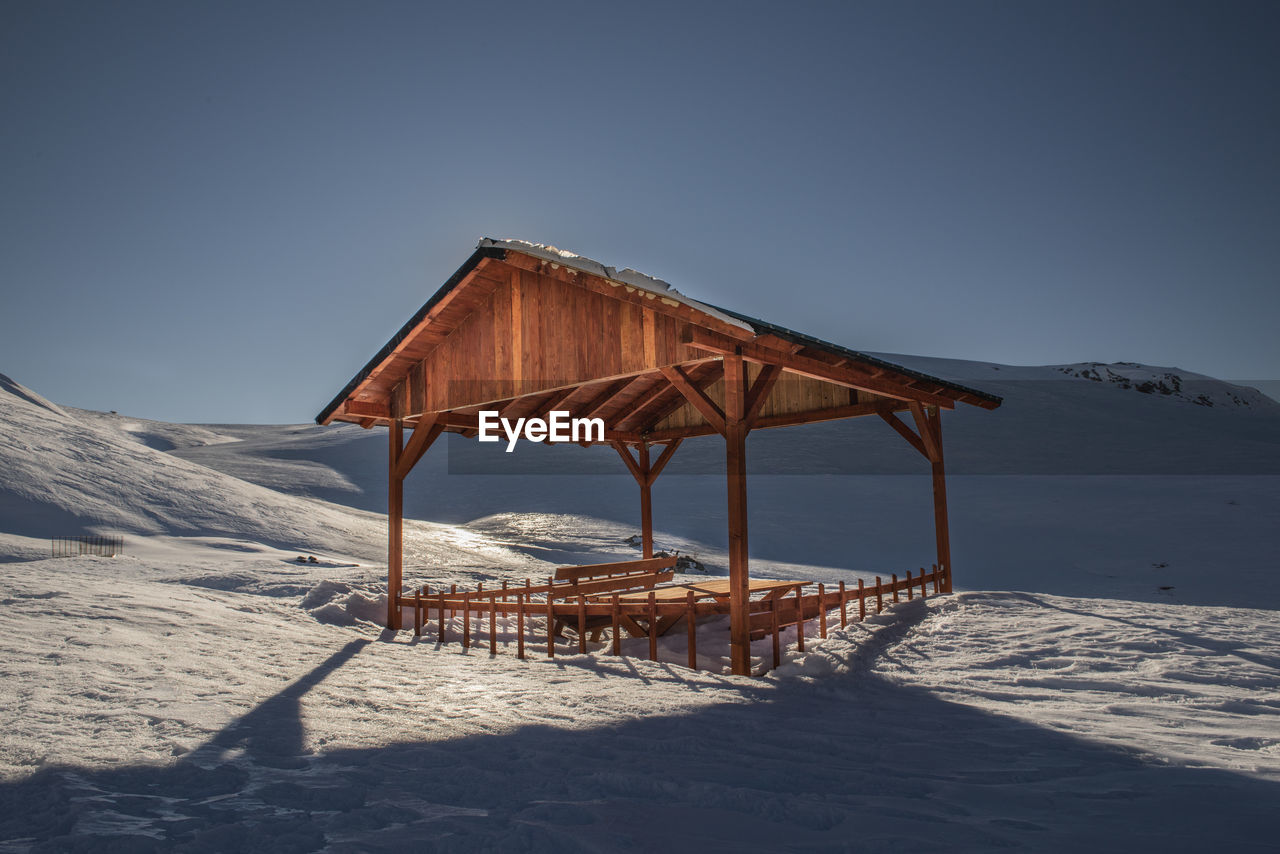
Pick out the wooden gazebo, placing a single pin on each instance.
(524, 329)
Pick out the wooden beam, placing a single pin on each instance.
(426, 432)
(367, 409)
(544, 409)
(395, 525)
(660, 405)
(932, 449)
(678, 378)
(905, 432)
(526, 405)
(646, 501)
(396, 358)
(808, 366)
(735, 435)
(603, 405)
(632, 465)
(592, 406)
(663, 459)
(542, 394)
(760, 389)
(636, 415)
(644, 476)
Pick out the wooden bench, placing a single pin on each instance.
(595, 579)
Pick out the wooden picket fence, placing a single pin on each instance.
(587, 613)
(87, 545)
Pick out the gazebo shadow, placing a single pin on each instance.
(856, 762)
(272, 734)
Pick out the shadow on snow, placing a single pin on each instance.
(848, 763)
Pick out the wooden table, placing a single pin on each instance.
(717, 589)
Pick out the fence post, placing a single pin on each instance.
(551, 621)
(844, 619)
(444, 630)
(822, 612)
(520, 626)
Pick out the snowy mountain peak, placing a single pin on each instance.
(1169, 382)
(20, 391)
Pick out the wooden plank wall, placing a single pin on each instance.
(534, 332)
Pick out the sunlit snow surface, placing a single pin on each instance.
(207, 692)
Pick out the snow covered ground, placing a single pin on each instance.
(206, 692)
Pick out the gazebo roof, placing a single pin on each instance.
(533, 327)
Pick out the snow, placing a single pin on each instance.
(205, 691)
(631, 279)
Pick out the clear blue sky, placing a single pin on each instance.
(220, 211)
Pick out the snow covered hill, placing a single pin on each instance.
(307, 488)
(1108, 677)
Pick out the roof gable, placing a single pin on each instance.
(529, 327)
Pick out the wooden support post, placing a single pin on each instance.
(520, 626)
(936, 585)
(690, 614)
(822, 612)
(582, 624)
(862, 601)
(395, 524)
(417, 613)
(653, 628)
(894, 587)
(735, 436)
(924, 594)
(800, 618)
(941, 531)
(844, 616)
(646, 502)
(879, 597)
(646, 471)
(910, 592)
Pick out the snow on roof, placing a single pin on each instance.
(626, 276)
